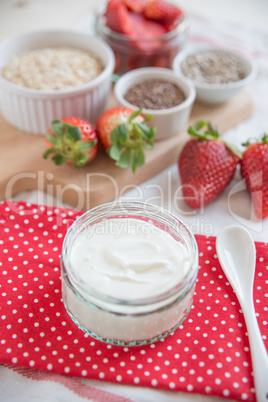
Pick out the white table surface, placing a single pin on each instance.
(18, 15)
(242, 22)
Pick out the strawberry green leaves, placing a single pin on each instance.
(204, 130)
(123, 133)
(262, 140)
(66, 144)
(129, 141)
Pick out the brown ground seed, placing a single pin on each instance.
(155, 95)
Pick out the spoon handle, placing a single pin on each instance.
(258, 352)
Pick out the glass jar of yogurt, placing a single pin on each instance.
(128, 273)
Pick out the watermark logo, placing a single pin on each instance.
(100, 187)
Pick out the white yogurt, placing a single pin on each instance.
(129, 278)
(128, 259)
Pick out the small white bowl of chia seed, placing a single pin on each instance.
(217, 73)
(160, 92)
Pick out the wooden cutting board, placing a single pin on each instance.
(23, 167)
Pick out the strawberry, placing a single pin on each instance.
(206, 165)
(71, 140)
(162, 11)
(254, 169)
(124, 135)
(135, 5)
(144, 28)
(117, 17)
(146, 33)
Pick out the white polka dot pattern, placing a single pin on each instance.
(208, 354)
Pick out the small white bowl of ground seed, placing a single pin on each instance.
(216, 73)
(47, 75)
(160, 92)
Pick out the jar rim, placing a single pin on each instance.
(144, 209)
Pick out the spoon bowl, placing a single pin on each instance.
(237, 256)
(236, 251)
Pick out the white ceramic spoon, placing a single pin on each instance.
(237, 255)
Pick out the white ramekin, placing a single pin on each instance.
(33, 110)
(217, 93)
(170, 121)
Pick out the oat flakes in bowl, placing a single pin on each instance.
(53, 68)
(31, 109)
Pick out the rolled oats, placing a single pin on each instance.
(53, 68)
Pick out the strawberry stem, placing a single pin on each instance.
(204, 130)
(262, 140)
(129, 141)
(67, 144)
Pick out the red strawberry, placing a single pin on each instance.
(135, 5)
(71, 140)
(162, 11)
(124, 135)
(117, 17)
(145, 29)
(170, 26)
(254, 168)
(206, 165)
(146, 33)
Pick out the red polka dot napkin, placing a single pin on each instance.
(208, 354)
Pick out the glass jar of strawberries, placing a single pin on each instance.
(142, 33)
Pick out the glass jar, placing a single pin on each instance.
(144, 316)
(142, 52)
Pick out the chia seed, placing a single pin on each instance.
(155, 95)
(213, 67)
